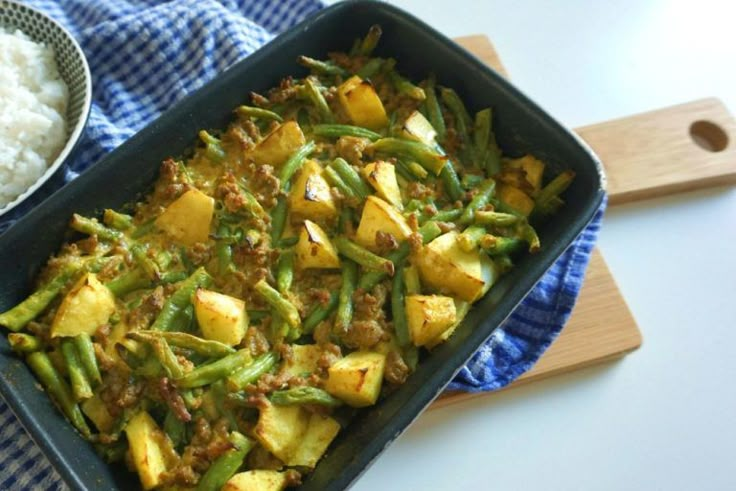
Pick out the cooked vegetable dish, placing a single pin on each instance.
(219, 333)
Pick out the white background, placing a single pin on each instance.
(664, 417)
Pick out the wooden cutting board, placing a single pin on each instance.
(671, 150)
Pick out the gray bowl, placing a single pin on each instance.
(73, 68)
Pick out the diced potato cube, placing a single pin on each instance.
(303, 359)
(516, 199)
(96, 410)
(314, 249)
(147, 443)
(361, 103)
(533, 167)
(356, 379)
(428, 316)
(310, 196)
(87, 306)
(221, 317)
(418, 128)
(444, 265)
(379, 216)
(256, 480)
(461, 310)
(320, 433)
(278, 145)
(188, 218)
(382, 176)
(280, 429)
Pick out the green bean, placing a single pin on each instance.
(227, 464)
(320, 312)
(279, 329)
(402, 169)
(180, 300)
(91, 226)
(470, 181)
(493, 160)
(206, 374)
(167, 358)
(58, 389)
(503, 263)
(554, 189)
(429, 231)
(134, 279)
(143, 229)
(470, 239)
(485, 193)
(500, 246)
(370, 40)
(370, 68)
(434, 111)
(304, 395)
(345, 304)
(482, 131)
(144, 261)
(441, 216)
(287, 242)
(334, 178)
(285, 271)
(87, 357)
(315, 96)
(294, 163)
(363, 256)
(252, 372)
(258, 113)
(218, 393)
(346, 220)
(223, 250)
(175, 428)
(417, 170)
(338, 130)
(413, 150)
(213, 147)
(323, 67)
(23, 343)
(495, 218)
(258, 315)
(80, 385)
(351, 178)
(411, 280)
(118, 221)
(405, 87)
(457, 107)
(451, 181)
(203, 347)
(20, 315)
(528, 234)
(410, 354)
(398, 309)
(279, 303)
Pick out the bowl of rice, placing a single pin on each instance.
(45, 95)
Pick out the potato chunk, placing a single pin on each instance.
(314, 249)
(361, 103)
(149, 447)
(379, 216)
(357, 378)
(303, 359)
(321, 430)
(311, 198)
(96, 410)
(429, 316)
(87, 306)
(382, 176)
(278, 145)
(256, 480)
(516, 199)
(221, 317)
(418, 128)
(533, 167)
(188, 218)
(444, 265)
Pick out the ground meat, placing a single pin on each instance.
(330, 354)
(265, 185)
(319, 295)
(229, 192)
(363, 334)
(322, 333)
(415, 242)
(238, 135)
(251, 130)
(268, 383)
(199, 253)
(351, 148)
(413, 222)
(151, 304)
(168, 171)
(386, 242)
(260, 458)
(256, 341)
(167, 391)
(369, 305)
(105, 361)
(88, 245)
(285, 91)
(446, 226)
(120, 390)
(395, 370)
(417, 190)
(258, 99)
(293, 478)
(181, 475)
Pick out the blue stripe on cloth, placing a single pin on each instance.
(144, 56)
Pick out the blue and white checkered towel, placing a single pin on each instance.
(144, 56)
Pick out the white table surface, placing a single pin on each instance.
(663, 417)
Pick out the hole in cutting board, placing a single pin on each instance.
(708, 136)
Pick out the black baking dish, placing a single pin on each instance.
(121, 177)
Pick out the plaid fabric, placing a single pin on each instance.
(144, 56)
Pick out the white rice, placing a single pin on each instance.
(33, 102)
